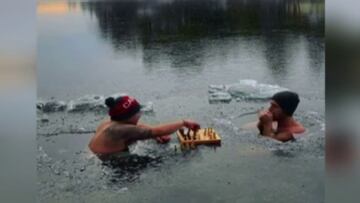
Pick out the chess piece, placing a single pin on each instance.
(181, 130)
(188, 134)
(182, 134)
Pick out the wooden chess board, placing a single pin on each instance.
(207, 136)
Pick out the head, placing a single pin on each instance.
(124, 109)
(283, 104)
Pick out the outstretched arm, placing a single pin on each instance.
(143, 125)
(162, 140)
(143, 131)
(165, 129)
(169, 128)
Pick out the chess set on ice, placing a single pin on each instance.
(207, 136)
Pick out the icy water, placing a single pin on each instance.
(212, 61)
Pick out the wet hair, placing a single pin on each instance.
(287, 100)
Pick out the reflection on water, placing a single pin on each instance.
(125, 22)
(129, 24)
(280, 39)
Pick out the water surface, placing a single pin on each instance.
(168, 53)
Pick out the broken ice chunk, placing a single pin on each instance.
(217, 88)
(51, 106)
(87, 103)
(219, 97)
(147, 107)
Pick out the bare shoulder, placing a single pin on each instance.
(103, 125)
(113, 128)
(298, 128)
(127, 132)
(114, 131)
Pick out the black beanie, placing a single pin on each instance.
(288, 101)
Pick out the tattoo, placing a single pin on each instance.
(113, 133)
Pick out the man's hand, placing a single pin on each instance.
(266, 117)
(163, 139)
(265, 124)
(192, 125)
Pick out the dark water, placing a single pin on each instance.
(168, 53)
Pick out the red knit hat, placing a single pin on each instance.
(123, 107)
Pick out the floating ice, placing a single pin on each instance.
(244, 89)
(147, 107)
(217, 88)
(86, 103)
(222, 97)
(251, 89)
(223, 122)
(122, 190)
(51, 106)
(218, 94)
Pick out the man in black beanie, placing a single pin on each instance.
(277, 121)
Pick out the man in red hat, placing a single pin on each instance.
(281, 110)
(123, 128)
